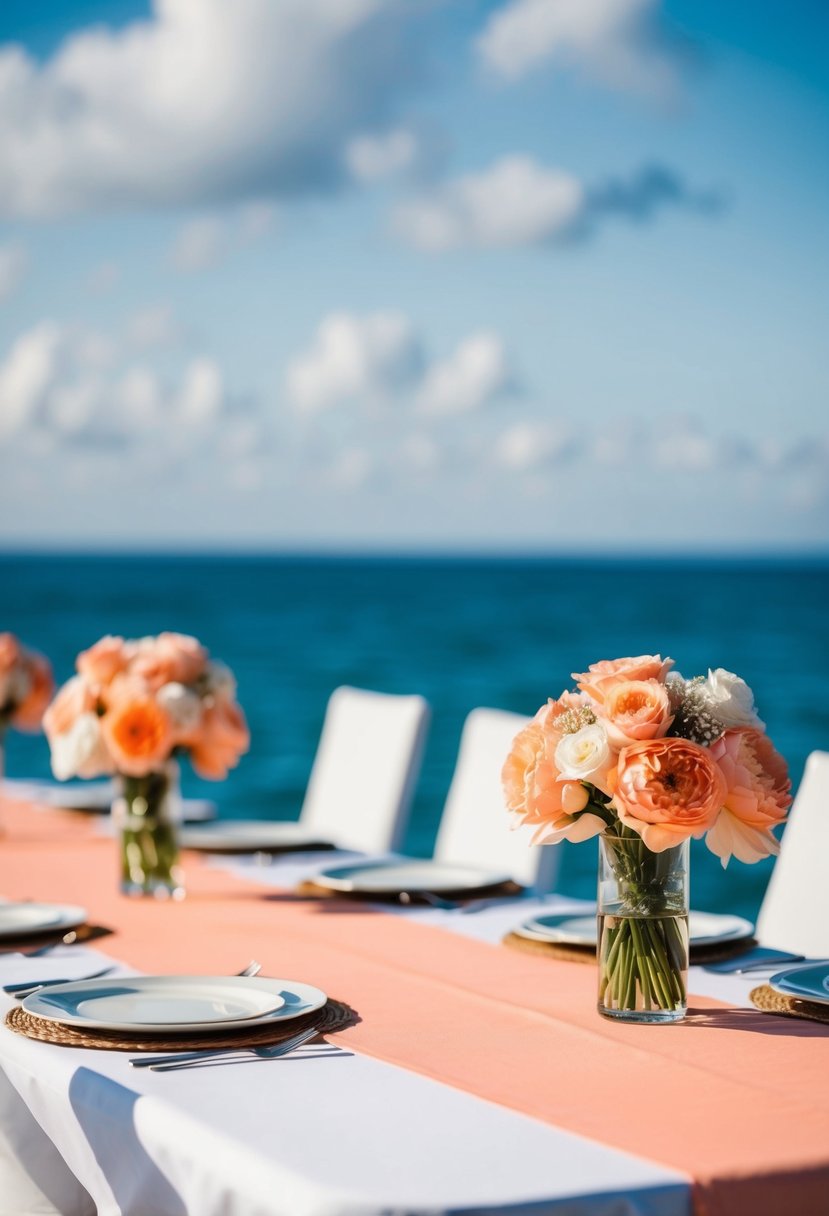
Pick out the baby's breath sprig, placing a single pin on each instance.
(693, 718)
(572, 720)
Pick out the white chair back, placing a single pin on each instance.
(366, 766)
(795, 911)
(475, 827)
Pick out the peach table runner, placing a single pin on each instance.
(736, 1099)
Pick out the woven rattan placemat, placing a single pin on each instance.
(33, 941)
(311, 890)
(769, 1001)
(587, 954)
(334, 1015)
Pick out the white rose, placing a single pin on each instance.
(730, 699)
(583, 755)
(81, 751)
(182, 705)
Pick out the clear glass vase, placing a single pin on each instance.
(146, 812)
(642, 930)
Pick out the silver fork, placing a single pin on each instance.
(21, 991)
(166, 1063)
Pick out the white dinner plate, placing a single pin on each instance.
(809, 983)
(392, 877)
(22, 919)
(704, 929)
(251, 836)
(159, 1004)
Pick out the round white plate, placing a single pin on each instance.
(250, 836)
(22, 919)
(808, 983)
(704, 929)
(392, 877)
(158, 1004)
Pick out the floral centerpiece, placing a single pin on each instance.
(132, 709)
(26, 687)
(645, 759)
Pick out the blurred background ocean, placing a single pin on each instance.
(463, 632)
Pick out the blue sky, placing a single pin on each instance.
(533, 274)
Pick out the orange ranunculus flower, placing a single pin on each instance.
(668, 790)
(601, 677)
(29, 713)
(758, 795)
(103, 661)
(171, 658)
(534, 792)
(221, 739)
(635, 710)
(138, 734)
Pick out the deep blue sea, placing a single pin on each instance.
(462, 632)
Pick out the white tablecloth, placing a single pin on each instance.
(318, 1134)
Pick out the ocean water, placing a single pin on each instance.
(462, 632)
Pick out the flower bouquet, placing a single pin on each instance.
(26, 687)
(132, 709)
(645, 759)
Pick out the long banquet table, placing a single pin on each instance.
(479, 1079)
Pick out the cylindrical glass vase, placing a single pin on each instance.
(146, 812)
(642, 930)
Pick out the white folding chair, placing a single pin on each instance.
(795, 911)
(366, 766)
(475, 826)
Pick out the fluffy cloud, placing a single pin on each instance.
(379, 358)
(13, 263)
(205, 101)
(517, 201)
(620, 42)
(354, 357)
(514, 202)
(198, 244)
(371, 157)
(62, 386)
(476, 373)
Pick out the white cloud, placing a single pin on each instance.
(153, 327)
(370, 157)
(204, 102)
(531, 444)
(620, 42)
(475, 373)
(62, 384)
(26, 376)
(354, 357)
(256, 220)
(199, 401)
(13, 263)
(198, 244)
(515, 201)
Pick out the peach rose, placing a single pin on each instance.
(72, 700)
(535, 794)
(667, 790)
(758, 795)
(9, 658)
(171, 658)
(103, 661)
(601, 677)
(29, 713)
(222, 738)
(138, 734)
(636, 710)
